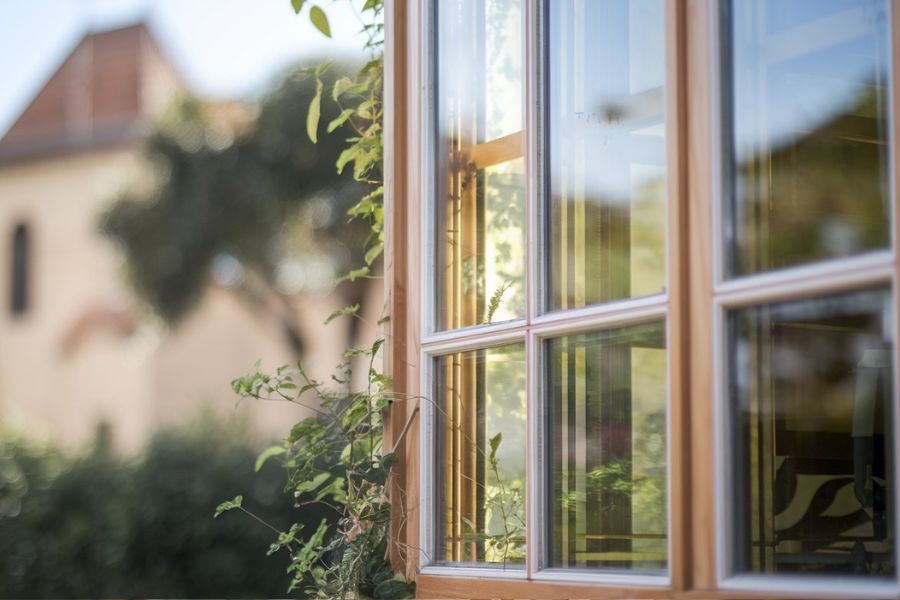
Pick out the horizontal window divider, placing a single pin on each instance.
(599, 577)
(479, 572)
(472, 338)
(820, 586)
(602, 316)
(831, 276)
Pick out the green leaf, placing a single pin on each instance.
(347, 311)
(340, 86)
(496, 299)
(373, 253)
(365, 109)
(318, 18)
(495, 443)
(354, 275)
(306, 428)
(346, 156)
(285, 538)
(312, 117)
(229, 505)
(267, 454)
(357, 351)
(298, 6)
(312, 484)
(340, 119)
(370, 4)
(335, 489)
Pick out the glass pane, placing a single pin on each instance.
(807, 156)
(811, 394)
(480, 229)
(606, 151)
(607, 450)
(480, 477)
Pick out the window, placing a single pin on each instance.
(658, 283)
(19, 270)
(805, 293)
(546, 333)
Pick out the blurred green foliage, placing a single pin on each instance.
(240, 182)
(99, 525)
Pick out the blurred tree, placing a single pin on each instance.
(249, 200)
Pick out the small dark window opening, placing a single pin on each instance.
(19, 279)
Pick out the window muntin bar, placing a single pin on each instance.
(811, 410)
(806, 154)
(605, 166)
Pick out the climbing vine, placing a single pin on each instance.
(336, 457)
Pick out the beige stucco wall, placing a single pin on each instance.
(57, 383)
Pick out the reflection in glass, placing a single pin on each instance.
(606, 151)
(480, 188)
(607, 449)
(480, 483)
(807, 152)
(811, 399)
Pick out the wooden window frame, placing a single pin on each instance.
(696, 298)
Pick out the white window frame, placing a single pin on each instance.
(871, 270)
(533, 330)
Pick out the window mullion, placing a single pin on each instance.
(894, 139)
(532, 111)
(677, 286)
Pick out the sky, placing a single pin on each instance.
(222, 48)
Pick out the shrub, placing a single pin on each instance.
(96, 524)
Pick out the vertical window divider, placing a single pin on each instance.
(894, 138)
(427, 161)
(426, 94)
(722, 472)
(534, 463)
(700, 47)
(427, 462)
(721, 433)
(677, 319)
(532, 112)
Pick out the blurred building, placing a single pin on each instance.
(77, 350)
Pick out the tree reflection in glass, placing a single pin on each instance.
(480, 189)
(806, 135)
(607, 450)
(480, 445)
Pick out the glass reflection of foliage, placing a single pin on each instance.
(481, 457)
(807, 178)
(481, 182)
(812, 397)
(607, 446)
(606, 152)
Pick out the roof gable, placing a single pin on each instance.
(103, 93)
